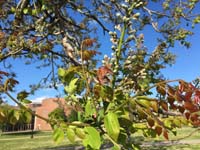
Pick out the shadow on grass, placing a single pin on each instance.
(106, 146)
(178, 147)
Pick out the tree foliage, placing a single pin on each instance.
(109, 98)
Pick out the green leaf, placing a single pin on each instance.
(72, 87)
(58, 135)
(44, 7)
(61, 72)
(25, 10)
(22, 95)
(177, 122)
(92, 138)
(112, 125)
(80, 133)
(89, 109)
(27, 117)
(14, 116)
(70, 135)
(26, 101)
(144, 102)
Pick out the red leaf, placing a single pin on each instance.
(88, 54)
(164, 105)
(197, 99)
(183, 86)
(150, 121)
(88, 42)
(196, 123)
(190, 106)
(181, 109)
(197, 92)
(171, 91)
(161, 89)
(158, 130)
(179, 97)
(165, 134)
(188, 96)
(187, 115)
(170, 100)
(194, 117)
(102, 74)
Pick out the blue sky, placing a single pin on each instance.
(187, 66)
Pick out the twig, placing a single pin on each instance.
(145, 90)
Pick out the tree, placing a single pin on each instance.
(61, 35)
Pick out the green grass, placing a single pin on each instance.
(41, 141)
(44, 141)
(187, 143)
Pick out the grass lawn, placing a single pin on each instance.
(191, 142)
(44, 141)
(41, 141)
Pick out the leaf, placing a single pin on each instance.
(88, 42)
(9, 84)
(80, 133)
(165, 134)
(72, 86)
(143, 102)
(89, 109)
(177, 122)
(14, 116)
(171, 91)
(22, 95)
(168, 123)
(26, 101)
(58, 135)
(70, 134)
(188, 95)
(187, 115)
(181, 109)
(161, 89)
(194, 117)
(92, 138)
(150, 121)
(61, 72)
(170, 100)
(102, 74)
(27, 117)
(25, 10)
(154, 105)
(141, 113)
(88, 54)
(112, 125)
(189, 106)
(2, 72)
(158, 130)
(164, 105)
(179, 97)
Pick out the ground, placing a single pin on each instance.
(43, 141)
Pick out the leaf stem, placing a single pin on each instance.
(109, 138)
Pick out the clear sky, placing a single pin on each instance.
(187, 66)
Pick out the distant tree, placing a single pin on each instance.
(64, 35)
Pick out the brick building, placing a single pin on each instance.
(44, 108)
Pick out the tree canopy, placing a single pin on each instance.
(114, 93)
